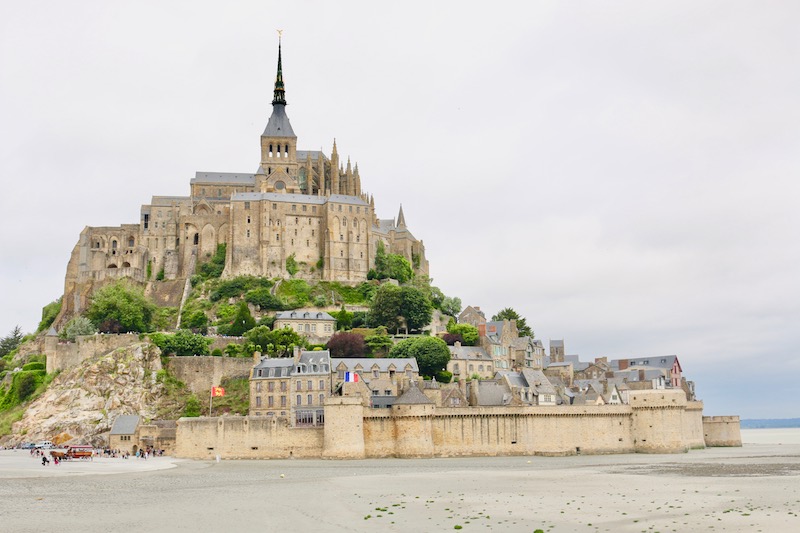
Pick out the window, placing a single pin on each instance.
(271, 386)
(313, 209)
(310, 385)
(270, 401)
(387, 393)
(248, 234)
(283, 386)
(258, 383)
(304, 207)
(351, 208)
(321, 399)
(376, 373)
(283, 401)
(294, 207)
(247, 205)
(277, 236)
(258, 401)
(299, 385)
(248, 219)
(322, 384)
(274, 206)
(299, 399)
(146, 221)
(310, 399)
(375, 393)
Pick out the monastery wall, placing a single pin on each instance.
(246, 437)
(203, 372)
(722, 431)
(64, 355)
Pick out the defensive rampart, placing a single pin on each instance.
(655, 424)
(201, 373)
(62, 355)
(722, 431)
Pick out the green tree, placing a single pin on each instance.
(10, 342)
(379, 344)
(182, 343)
(215, 265)
(451, 306)
(49, 314)
(344, 319)
(121, 308)
(196, 320)
(431, 353)
(192, 408)
(243, 321)
(509, 314)
(80, 325)
(468, 332)
(392, 306)
(275, 343)
(399, 268)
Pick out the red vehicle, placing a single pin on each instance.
(75, 452)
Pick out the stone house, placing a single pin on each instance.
(667, 365)
(473, 316)
(451, 395)
(294, 388)
(380, 380)
(527, 352)
(528, 387)
(129, 434)
(497, 339)
(557, 350)
(317, 326)
(468, 361)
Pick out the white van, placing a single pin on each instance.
(44, 444)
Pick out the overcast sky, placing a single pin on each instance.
(624, 174)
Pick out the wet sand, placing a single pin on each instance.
(754, 488)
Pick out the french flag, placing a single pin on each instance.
(351, 377)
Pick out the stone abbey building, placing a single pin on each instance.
(300, 205)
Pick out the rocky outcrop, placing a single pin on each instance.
(81, 404)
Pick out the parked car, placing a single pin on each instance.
(44, 445)
(27, 446)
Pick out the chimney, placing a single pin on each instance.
(457, 344)
(256, 357)
(296, 353)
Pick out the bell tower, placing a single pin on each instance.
(278, 142)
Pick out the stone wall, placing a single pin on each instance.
(246, 437)
(65, 355)
(693, 425)
(201, 373)
(722, 431)
(353, 431)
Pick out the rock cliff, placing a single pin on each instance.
(81, 404)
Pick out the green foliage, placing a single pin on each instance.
(469, 333)
(121, 308)
(149, 269)
(344, 319)
(192, 408)
(226, 312)
(451, 306)
(509, 314)
(237, 397)
(165, 318)
(267, 320)
(33, 366)
(433, 294)
(213, 267)
(294, 293)
(11, 341)
(23, 385)
(263, 298)
(379, 344)
(394, 305)
(276, 343)
(182, 342)
(243, 321)
(431, 353)
(49, 314)
(196, 320)
(320, 263)
(393, 266)
(291, 265)
(231, 288)
(216, 352)
(160, 275)
(443, 376)
(80, 325)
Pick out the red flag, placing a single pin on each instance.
(217, 391)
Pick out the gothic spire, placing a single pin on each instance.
(401, 219)
(280, 93)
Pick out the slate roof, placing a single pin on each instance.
(413, 396)
(577, 364)
(226, 178)
(556, 343)
(474, 353)
(492, 393)
(125, 425)
(282, 367)
(278, 125)
(367, 364)
(167, 201)
(537, 380)
(303, 315)
(302, 155)
(660, 361)
(321, 358)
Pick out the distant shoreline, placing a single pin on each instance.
(770, 423)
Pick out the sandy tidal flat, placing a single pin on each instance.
(754, 488)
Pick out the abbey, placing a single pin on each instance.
(301, 207)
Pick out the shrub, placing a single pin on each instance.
(192, 408)
(33, 366)
(121, 308)
(197, 321)
(263, 298)
(443, 376)
(160, 275)
(231, 288)
(243, 321)
(213, 267)
(216, 352)
(49, 314)
(468, 332)
(349, 345)
(182, 342)
(76, 327)
(291, 265)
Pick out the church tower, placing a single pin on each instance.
(278, 172)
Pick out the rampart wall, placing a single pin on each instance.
(353, 431)
(722, 431)
(63, 355)
(201, 373)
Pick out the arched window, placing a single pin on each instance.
(114, 245)
(270, 150)
(197, 238)
(131, 242)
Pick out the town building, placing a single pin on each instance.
(317, 326)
